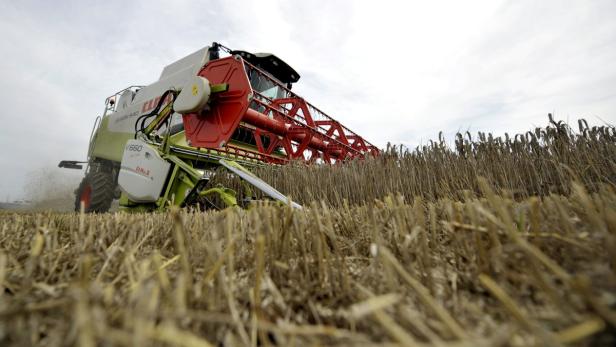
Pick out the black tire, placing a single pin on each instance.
(96, 190)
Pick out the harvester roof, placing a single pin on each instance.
(272, 64)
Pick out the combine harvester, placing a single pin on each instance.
(158, 146)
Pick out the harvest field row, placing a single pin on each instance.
(540, 162)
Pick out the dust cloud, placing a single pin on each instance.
(52, 189)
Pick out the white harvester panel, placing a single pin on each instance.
(143, 172)
(174, 76)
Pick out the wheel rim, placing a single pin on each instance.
(86, 196)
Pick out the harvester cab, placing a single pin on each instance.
(160, 145)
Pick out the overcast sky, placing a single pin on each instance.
(393, 71)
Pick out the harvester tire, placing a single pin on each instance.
(96, 191)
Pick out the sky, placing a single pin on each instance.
(393, 71)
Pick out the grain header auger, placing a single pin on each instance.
(160, 145)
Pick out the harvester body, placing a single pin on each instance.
(125, 107)
(158, 145)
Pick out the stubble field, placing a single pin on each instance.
(485, 242)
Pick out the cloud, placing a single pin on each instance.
(394, 71)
